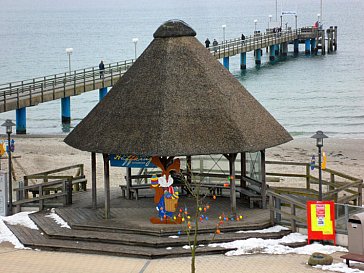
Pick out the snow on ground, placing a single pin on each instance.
(270, 246)
(266, 230)
(58, 219)
(22, 219)
(338, 267)
(6, 235)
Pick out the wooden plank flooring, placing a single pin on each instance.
(129, 231)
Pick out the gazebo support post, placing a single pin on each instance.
(189, 172)
(232, 158)
(93, 180)
(264, 183)
(242, 171)
(128, 183)
(189, 168)
(107, 185)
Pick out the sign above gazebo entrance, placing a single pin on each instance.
(131, 161)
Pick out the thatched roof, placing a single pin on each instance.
(177, 99)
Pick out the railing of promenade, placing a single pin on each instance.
(91, 76)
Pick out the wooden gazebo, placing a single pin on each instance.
(176, 100)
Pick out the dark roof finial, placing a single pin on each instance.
(174, 28)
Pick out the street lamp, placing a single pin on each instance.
(270, 19)
(9, 129)
(318, 20)
(69, 51)
(135, 41)
(295, 20)
(319, 136)
(223, 32)
(255, 25)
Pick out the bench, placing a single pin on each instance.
(251, 194)
(352, 257)
(133, 190)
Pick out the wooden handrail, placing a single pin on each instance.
(45, 184)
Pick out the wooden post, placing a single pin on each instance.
(93, 179)
(128, 183)
(189, 168)
(64, 190)
(360, 195)
(106, 185)
(271, 208)
(264, 183)
(293, 221)
(242, 171)
(308, 176)
(69, 191)
(232, 158)
(332, 187)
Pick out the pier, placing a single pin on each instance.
(22, 94)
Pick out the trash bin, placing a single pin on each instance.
(356, 233)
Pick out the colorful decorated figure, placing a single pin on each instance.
(165, 196)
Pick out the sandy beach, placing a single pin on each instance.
(42, 153)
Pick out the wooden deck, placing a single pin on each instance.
(129, 231)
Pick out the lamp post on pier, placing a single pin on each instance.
(255, 25)
(8, 124)
(270, 20)
(223, 32)
(135, 41)
(69, 51)
(318, 20)
(319, 136)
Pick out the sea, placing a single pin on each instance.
(304, 93)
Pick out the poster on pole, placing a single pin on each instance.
(321, 220)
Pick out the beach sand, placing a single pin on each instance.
(38, 154)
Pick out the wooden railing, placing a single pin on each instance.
(344, 191)
(291, 210)
(54, 183)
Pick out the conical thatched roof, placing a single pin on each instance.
(177, 99)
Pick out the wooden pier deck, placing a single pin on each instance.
(17, 95)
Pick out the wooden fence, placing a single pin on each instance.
(53, 184)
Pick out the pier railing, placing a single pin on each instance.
(16, 95)
(261, 40)
(51, 87)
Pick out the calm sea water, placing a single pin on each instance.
(304, 93)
